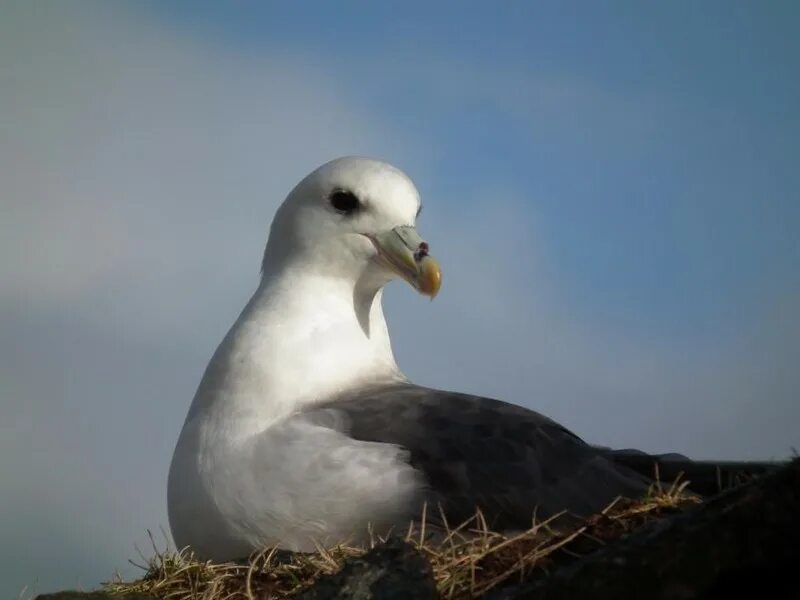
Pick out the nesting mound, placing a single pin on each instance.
(466, 561)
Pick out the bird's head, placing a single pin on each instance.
(354, 218)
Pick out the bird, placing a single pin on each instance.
(305, 431)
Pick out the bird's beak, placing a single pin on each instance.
(406, 253)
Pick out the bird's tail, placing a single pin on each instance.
(704, 477)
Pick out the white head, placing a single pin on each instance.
(353, 218)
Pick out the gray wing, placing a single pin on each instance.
(475, 452)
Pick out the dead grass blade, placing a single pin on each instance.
(467, 560)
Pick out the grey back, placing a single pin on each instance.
(512, 463)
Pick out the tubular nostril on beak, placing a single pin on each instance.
(422, 251)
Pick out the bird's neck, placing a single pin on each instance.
(301, 338)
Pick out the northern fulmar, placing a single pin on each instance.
(304, 430)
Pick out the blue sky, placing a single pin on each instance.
(671, 131)
(611, 190)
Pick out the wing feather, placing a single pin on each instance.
(480, 453)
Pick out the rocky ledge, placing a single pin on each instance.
(746, 538)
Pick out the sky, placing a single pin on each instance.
(610, 188)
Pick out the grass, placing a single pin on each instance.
(467, 560)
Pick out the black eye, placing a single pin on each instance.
(344, 201)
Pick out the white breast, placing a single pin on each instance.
(247, 470)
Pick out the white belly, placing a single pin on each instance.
(294, 483)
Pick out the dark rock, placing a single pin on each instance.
(394, 570)
(744, 540)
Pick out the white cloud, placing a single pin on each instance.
(140, 158)
(141, 172)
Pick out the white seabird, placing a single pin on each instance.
(304, 429)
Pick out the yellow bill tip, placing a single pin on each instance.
(429, 278)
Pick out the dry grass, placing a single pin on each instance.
(467, 560)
